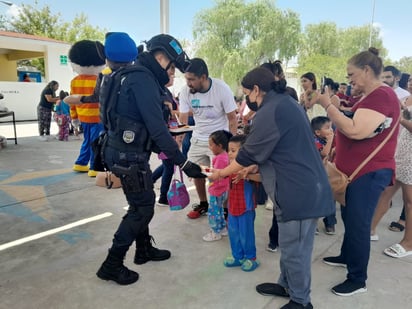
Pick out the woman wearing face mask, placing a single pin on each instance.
(281, 144)
(277, 70)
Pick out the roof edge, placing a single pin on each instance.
(19, 35)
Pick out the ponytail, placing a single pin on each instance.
(279, 86)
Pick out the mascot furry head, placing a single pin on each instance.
(85, 58)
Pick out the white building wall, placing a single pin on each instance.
(23, 98)
(54, 70)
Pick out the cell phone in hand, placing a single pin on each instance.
(322, 84)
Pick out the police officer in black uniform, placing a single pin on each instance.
(131, 110)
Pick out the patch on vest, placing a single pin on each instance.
(128, 136)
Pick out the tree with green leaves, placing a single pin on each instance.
(235, 36)
(3, 22)
(42, 22)
(325, 48)
(404, 65)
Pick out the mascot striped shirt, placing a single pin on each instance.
(87, 112)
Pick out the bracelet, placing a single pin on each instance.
(327, 106)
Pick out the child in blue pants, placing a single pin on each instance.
(241, 218)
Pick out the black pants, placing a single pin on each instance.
(274, 232)
(135, 224)
(44, 120)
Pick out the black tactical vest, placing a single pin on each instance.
(125, 133)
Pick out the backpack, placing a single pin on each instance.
(110, 89)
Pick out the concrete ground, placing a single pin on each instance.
(56, 226)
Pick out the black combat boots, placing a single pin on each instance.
(113, 269)
(146, 252)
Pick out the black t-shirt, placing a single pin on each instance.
(43, 100)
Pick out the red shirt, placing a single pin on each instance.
(350, 153)
(241, 197)
(343, 98)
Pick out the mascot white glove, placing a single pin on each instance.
(76, 123)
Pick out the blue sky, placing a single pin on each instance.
(141, 18)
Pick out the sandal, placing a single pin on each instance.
(396, 227)
(397, 251)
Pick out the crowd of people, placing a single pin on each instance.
(266, 141)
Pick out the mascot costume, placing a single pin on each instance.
(87, 63)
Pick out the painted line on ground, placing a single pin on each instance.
(53, 231)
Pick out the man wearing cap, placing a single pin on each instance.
(131, 111)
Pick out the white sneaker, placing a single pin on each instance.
(212, 236)
(269, 204)
(43, 138)
(374, 237)
(224, 232)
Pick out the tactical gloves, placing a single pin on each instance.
(192, 170)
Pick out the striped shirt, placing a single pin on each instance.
(86, 112)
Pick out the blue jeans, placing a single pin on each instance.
(188, 136)
(361, 199)
(165, 170)
(242, 235)
(330, 220)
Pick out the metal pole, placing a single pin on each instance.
(371, 27)
(164, 16)
(7, 3)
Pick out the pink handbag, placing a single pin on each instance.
(177, 196)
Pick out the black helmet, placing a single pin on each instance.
(172, 48)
